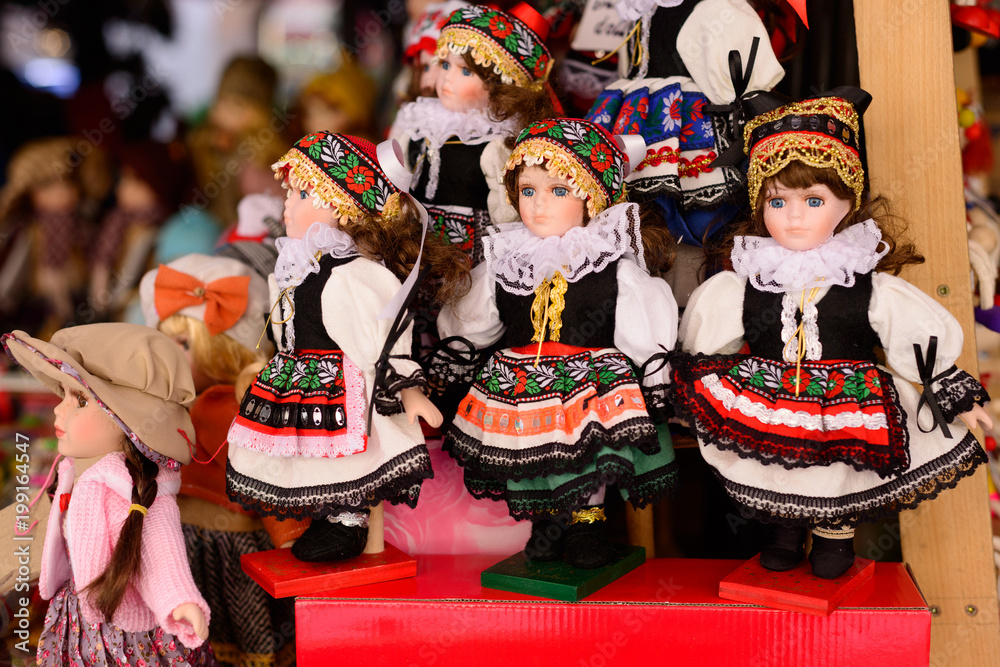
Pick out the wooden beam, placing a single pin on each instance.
(905, 61)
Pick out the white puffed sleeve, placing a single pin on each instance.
(713, 319)
(645, 318)
(475, 317)
(492, 162)
(352, 298)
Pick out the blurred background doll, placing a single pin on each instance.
(214, 309)
(559, 413)
(47, 209)
(420, 67)
(320, 433)
(147, 192)
(341, 101)
(113, 564)
(808, 432)
(238, 127)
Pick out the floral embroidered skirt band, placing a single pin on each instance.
(821, 443)
(547, 434)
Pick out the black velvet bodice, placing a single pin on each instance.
(310, 334)
(461, 182)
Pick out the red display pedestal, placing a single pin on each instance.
(667, 611)
(797, 589)
(283, 575)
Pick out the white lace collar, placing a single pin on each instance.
(520, 261)
(298, 258)
(426, 118)
(771, 267)
(633, 10)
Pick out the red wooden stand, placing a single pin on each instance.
(797, 589)
(666, 611)
(283, 575)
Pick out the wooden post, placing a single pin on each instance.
(376, 530)
(639, 524)
(905, 60)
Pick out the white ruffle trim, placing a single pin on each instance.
(426, 119)
(633, 10)
(791, 418)
(521, 261)
(771, 267)
(810, 328)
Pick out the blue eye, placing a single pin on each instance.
(560, 191)
(527, 192)
(445, 65)
(777, 202)
(466, 71)
(814, 202)
(303, 194)
(427, 68)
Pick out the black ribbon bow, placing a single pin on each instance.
(925, 367)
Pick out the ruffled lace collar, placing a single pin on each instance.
(426, 118)
(297, 258)
(771, 267)
(633, 10)
(520, 261)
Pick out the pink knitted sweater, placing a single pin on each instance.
(98, 507)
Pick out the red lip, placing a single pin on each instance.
(59, 432)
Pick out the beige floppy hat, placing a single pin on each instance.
(138, 376)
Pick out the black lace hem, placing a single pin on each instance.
(552, 458)
(711, 428)
(398, 481)
(958, 392)
(903, 493)
(386, 398)
(658, 403)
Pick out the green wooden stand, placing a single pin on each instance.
(558, 580)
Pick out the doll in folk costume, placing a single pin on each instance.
(560, 412)
(213, 308)
(113, 563)
(808, 431)
(308, 443)
(420, 40)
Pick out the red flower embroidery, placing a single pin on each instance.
(600, 157)
(522, 380)
(541, 65)
(542, 126)
(500, 27)
(310, 140)
(834, 383)
(791, 379)
(873, 383)
(360, 179)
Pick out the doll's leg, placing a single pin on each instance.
(587, 543)
(548, 536)
(832, 552)
(785, 549)
(335, 537)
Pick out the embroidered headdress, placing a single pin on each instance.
(510, 42)
(821, 133)
(594, 162)
(342, 173)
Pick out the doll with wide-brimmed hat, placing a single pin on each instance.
(113, 563)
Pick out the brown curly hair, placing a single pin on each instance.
(525, 105)
(659, 246)
(798, 175)
(397, 242)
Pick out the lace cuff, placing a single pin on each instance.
(957, 392)
(386, 396)
(657, 404)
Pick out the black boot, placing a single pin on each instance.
(829, 557)
(548, 537)
(324, 542)
(587, 543)
(786, 548)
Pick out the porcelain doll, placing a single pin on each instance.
(213, 308)
(560, 412)
(341, 101)
(113, 563)
(808, 431)
(420, 39)
(306, 443)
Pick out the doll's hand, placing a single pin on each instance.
(977, 415)
(417, 405)
(191, 613)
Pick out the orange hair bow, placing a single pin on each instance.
(225, 299)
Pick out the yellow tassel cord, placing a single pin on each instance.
(638, 51)
(799, 337)
(546, 310)
(291, 308)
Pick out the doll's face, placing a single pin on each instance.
(458, 87)
(300, 213)
(430, 70)
(802, 218)
(547, 204)
(236, 115)
(55, 197)
(318, 115)
(133, 194)
(83, 429)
